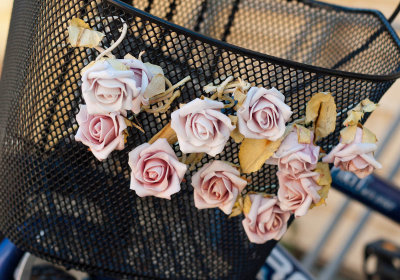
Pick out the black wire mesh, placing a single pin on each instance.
(60, 203)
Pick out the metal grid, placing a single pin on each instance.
(62, 204)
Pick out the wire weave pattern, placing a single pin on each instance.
(60, 203)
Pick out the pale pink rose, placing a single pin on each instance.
(217, 184)
(201, 127)
(263, 114)
(266, 220)
(156, 171)
(297, 193)
(294, 158)
(108, 87)
(356, 157)
(101, 133)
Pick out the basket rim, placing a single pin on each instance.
(266, 57)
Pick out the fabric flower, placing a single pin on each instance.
(294, 157)
(263, 114)
(265, 220)
(297, 193)
(115, 85)
(156, 170)
(201, 127)
(101, 133)
(217, 184)
(356, 157)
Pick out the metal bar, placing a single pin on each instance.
(394, 15)
(310, 258)
(329, 272)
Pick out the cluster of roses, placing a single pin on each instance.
(111, 87)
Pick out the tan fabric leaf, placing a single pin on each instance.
(348, 133)
(368, 136)
(325, 181)
(166, 132)
(253, 153)
(246, 205)
(154, 69)
(237, 207)
(303, 134)
(237, 136)
(321, 111)
(239, 96)
(129, 56)
(353, 117)
(193, 159)
(77, 22)
(156, 86)
(368, 106)
(81, 35)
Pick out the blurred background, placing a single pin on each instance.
(303, 234)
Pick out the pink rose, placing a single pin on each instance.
(266, 220)
(201, 127)
(156, 170)
(217, 184)
(101, 133)
(115, 85)
(294, 158)
(297, 193)
(356, 157)
(263, 114)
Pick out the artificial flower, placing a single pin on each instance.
(156, 171)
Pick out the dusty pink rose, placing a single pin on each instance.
(266, 220)
(156, 171)
(115, 85)
(217, 184)
(101, 133)
(263, 114)
(297, 193)
(294, 158)
(356, 157)
(201, 127)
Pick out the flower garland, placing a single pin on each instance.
(258, 120)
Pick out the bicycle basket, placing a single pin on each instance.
(61, 204)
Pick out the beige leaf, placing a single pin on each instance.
(325, 181)
(348, 133)
(193, 159)
(166, 132)
(353, 117)
(368, 136)
(235, 134)
(81, 35)
(246, 205)
(240, 97)
(356, 114)
(303, 134)
(368, 106)
(321, 111)
(129, 56)
(155, 87)
(154, 69)
(237, 207)
(254, 153)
